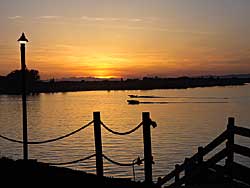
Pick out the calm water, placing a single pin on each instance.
(182, 127)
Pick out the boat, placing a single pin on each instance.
(144, 96)
(133, 96)
(133, 102)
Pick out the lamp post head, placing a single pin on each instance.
(22, 39)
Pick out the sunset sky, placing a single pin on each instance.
(126, 38)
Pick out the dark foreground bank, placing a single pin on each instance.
(35, 174)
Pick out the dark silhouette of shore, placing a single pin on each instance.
(33, 173)
(11, 84)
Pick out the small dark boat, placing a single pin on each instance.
(133, 102)
(133, 96)
(144, 96)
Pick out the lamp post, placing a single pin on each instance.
(22, 40)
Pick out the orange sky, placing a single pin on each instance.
(126, 38)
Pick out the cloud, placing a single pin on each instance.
(163, 29)
(93, 18)
(49, 17)
(15, 17)
(231, 62)
(135, 20)
(87, 18)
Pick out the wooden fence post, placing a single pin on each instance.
(230, 142)
(98, 144)
(229, 146)
(189, 166)
(200, 155)
(148, 159)
(177, 174)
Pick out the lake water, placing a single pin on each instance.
(194, 121)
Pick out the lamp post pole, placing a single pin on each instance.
(22, 40)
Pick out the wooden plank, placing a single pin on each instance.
(242, 131)
(168, 177)
(241, 173)
(242, 150)
(216, 142)
(212, 161)
(217, 157)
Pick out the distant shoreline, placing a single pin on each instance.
(129, 84)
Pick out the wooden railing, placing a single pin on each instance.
(195, 165)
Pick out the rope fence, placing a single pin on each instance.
(50, 140)
(137, 161)
(146, 124)
(72, 162)
(10, 139)
(122, 133)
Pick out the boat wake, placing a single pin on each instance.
(174, 97)
(133, 102)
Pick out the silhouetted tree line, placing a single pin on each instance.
(11, 84)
